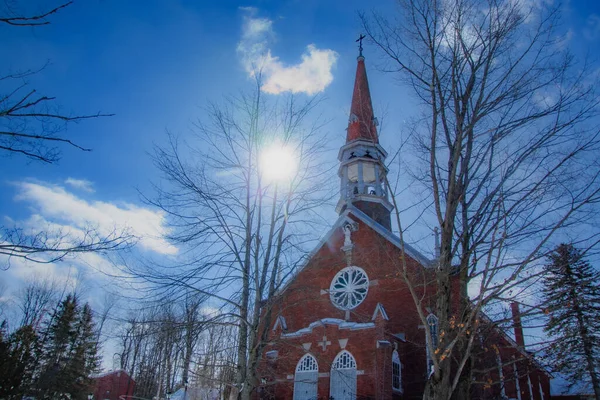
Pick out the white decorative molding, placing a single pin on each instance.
(374, 282)
(323, 374)
(306, 346)
(380, 310)
(348, 227)
(290, 377)
(324, 291)
(324, 343)
(401, 336)
(383, 344)
(353, 326)
(360, 372)
(343, 343)
(280, 321)
(272, 354)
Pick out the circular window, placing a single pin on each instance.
(349, 288)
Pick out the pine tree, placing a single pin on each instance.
(69, 353)
(573, 299)
(17, 361)
(6, 383)
(59, 339)
(85, 360)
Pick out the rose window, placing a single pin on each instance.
(349, 288)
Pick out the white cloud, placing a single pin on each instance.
(592, 28)
(21, 269)
(55, 205)
(311, 75)
(82, 184)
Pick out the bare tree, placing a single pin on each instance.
(504, 150)
(36, 300)
(193, 325)
(52, 245)
(33, 125)
(11, 15)
(241, 232)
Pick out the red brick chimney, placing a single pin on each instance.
(517, 326)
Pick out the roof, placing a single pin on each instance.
(527, 355)
(362, 123)
(108, 373)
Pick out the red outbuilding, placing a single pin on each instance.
(112, 385)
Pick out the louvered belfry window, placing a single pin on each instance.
(343, 377)
(305, 379)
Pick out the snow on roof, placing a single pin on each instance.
(107, 373)
(195, 393)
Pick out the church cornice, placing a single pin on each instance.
(358, 143)
(365, 197)
(341, 324)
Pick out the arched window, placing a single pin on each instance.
(396, 372)
(432, 321)
(305, 379)
(343, 377)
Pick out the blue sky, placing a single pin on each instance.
(155, 64)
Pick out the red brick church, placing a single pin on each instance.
(346, 326)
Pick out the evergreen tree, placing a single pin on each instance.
(18, 359)
(85, 360)
(573, 299)
(69, 353)
(22, 362)
(5, 363)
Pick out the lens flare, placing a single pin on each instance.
(278, 163)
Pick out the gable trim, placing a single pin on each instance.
(280, 322)
(329, 321)
(380, 310)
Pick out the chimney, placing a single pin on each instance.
(517, 326)
(436, 233)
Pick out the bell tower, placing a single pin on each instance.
(362, 168)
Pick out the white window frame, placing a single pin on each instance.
(350, 293)
(432, 322)
(396, 361)
(346, 371)
(306, 378)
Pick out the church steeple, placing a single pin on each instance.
(362, 123)
(362, 169)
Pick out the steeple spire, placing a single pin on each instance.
(362, 124)
(362, 160)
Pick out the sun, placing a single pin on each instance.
(278, 163)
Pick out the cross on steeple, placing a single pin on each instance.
(359, 40)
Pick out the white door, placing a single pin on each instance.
(305, 379)
(343, 377)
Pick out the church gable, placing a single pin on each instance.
(354, 271)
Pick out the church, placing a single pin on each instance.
(346, 327)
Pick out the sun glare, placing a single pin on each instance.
(278, 163)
